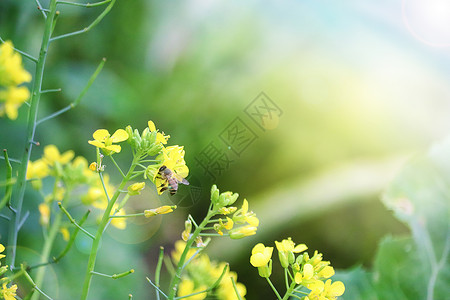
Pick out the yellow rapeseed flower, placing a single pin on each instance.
(8, 293)
(11, 98)
(160, 137)
(12, 74)
(52, 155)
(103, 140)
(2, 248)
(186, 287)
(261, 255)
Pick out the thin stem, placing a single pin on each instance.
(39, 6)
(103, 223)
(67, 248)
(30, 280)
(157, 288)
(33, 59)
(80, 96)
(127, 216)
(114, 276)
(9, 182)
(158, 270)
(48, 245)
(176, 278)
(235, 288)
(92, 25)
(83, 4)
(289, 290)
(117, 166)
(51, 91)
(273, 288)
(72, 220)
(32, 117)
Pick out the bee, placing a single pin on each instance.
(170, 180)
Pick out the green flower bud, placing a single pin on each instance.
(265, 271)
(291, 257)
(214, 194)
(155, 149)
(284, 261)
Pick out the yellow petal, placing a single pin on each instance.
(300, 248)
(119, 136)
(337, 289)
(258, 260)
(115, 148)
(308, 271)
(151, 126)
(2, 248)
(51, 153)
(66, 157)
(97, 144)
(100, 134)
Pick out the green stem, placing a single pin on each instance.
(289, 291)
(158, 270)
(100, 229)
(176, 278)
(32, 117)
(274, 289)
(48, 245)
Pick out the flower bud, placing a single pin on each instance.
(136, 188)
(159, 211)
(242, 232)
(284, 261)
(187, 230)
(214, 194)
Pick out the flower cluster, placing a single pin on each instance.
(12, 74)
(150, 142)
(69, 171)
(201, 274)
(7, 293)
(310, 272)
(246, 219)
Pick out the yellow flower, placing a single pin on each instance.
(2, 248)
(44, 209)
(11, 75)
(103, 140)
(286, 249)
(244, 216)
(159, 211)
(186, 287)
(226, 290)
(8, 293)
(52, 155)
(11, 70)
(160, 137)
(261, 255)
(173, 158)
(179, 248)
(327, 291)
(11, 99)
(65, 233)
(37, 169)
(119, 223)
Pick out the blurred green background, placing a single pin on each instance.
(362, 86)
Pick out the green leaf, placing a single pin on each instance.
(358, 284)
(420, 197)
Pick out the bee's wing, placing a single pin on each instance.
(180, 179)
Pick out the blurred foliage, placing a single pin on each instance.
(353, 87)
(414, 267)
